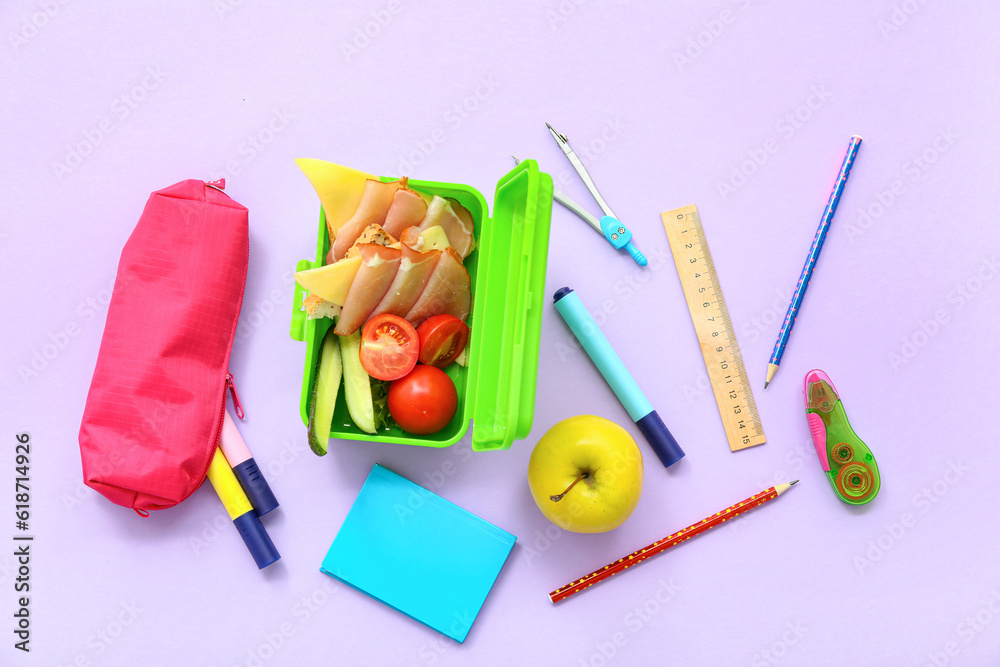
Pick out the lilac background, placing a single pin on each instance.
(665, 102)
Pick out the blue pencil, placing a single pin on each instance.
(817, 246)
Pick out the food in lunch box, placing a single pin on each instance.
(454, 220)
(408, 208)
(357, 384)
(325, 393)
(395, 261)
(372, 209)
(417, 277)
(410, 280)
(442, 340)
(339, 189)
(424, 401)
(371, 234)
(389, 347)
(331, 282)
(432, 238)
(378, 268)
(448, 290)
(317, 307)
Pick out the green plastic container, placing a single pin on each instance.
(497, 389)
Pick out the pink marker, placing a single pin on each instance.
(246, 470)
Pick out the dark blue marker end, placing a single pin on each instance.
(255, 486)
(659, 438)
(256, 538)
(560, 293)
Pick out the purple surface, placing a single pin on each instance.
(667, 105)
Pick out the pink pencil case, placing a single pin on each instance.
(157, 400)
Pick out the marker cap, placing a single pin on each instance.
(256, 487)
(256, 538)
(659, 438)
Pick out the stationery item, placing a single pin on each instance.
(611, 367)
(846, 460)
(417, 552)
(639, 556)
(713, 327)
(220, 474)
(245, 468)
(609, 226)
(814, 250)
(154, 412)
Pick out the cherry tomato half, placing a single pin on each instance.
(424, 401)
(442, 339)
(389, 347)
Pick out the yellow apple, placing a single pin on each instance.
(585, 474)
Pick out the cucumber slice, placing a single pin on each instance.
(357, 383)
(325, 393)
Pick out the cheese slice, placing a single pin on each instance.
(339, 189)
(435, 238)
(330, 282)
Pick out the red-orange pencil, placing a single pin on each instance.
(667, 542)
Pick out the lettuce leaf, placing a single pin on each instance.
(380, 403)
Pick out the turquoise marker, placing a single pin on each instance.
(608, 362)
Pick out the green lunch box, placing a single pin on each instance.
(497, 388)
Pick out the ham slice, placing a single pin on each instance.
(459, 230)
(408, 209)
(448, 290)
(414, 271)
(376, 199)
(463, 215)
(370, 234)
(378, 268)
(411, 237)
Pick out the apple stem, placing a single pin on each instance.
(559, 497)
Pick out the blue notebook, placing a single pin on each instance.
(413, 550)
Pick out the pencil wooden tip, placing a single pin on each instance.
(771, 370)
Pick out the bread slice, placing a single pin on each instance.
(373, 233)
(317, 307)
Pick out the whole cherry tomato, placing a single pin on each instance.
(424, 401)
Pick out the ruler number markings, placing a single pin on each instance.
(704, 295)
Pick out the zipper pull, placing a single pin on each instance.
(231, 385)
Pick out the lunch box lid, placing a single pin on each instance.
(508, 308)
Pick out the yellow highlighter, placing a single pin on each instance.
(221, 475)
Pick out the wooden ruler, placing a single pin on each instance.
(715, 331)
